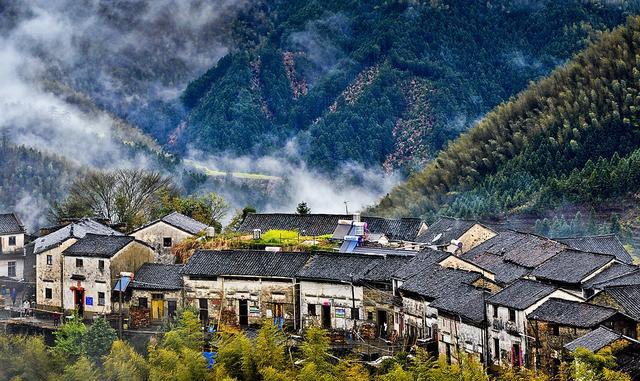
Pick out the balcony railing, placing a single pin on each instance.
(509, 326)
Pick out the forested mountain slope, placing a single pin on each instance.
(572, 138)
(377, 83)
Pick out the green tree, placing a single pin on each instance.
(98, 340)
(70, 337)
(302, 208)
(123, 363)
(81, 370)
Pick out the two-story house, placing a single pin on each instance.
(12, 241)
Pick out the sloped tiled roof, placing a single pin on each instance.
(437, 282)
(383, 270)
(628, 279)
(444, 230)
(423, 260)
(523, 249)
(253, 263)
(468, 304)
(506, 272)
(522, 294)
(573, 314)
(77, 229)
(601, 244)
(596, 340)
(384, 251)
(95, 245)
(179, 221)
(156, 276)
(321, 224)
(339, 266)
(615, 270)
(628, 297)
(571, 266)
(10, 224)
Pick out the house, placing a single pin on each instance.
(403, 229)
(558, 322)
(164, 233)
(156, 291)
(625, 349)
(49, 259)
(243, 287)
(455, 235)
(599, 281)
(93, 265)
(12, 242)
(625, 299)
(601, 244)
(571, 269)
(507, 318)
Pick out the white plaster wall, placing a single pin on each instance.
(335, 295)
(4, 242)
(50, 276)
(96, 281)
(4, 267)
(154, 236)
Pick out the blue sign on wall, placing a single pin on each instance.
(89, 301)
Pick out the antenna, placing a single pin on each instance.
(346, 207)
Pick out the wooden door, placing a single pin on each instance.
(157, 309)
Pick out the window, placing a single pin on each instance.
(48, 293)
(311, 310)
(101, 298)
(166, 242)
(512, 315)
(369, 315)
(79, 262)
(11, 269)
(49, 260)
(12, 240)
(142, 302)
(101, 265)
(555, 329)
(495, 311)
(355, 313)
(496, 348)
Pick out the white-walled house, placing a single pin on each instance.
(48, 250)
(507, 318)
(455, 235)
(168, 231)
(12, 240)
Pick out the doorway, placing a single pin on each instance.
(244, 313)
(516, 355)
(78, 298)
(172, 306)
(157, 306)
(382, 323)
(326, 317)
(203, 305)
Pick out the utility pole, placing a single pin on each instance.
(120, 308)
(346, 207)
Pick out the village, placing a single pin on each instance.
(455, 288)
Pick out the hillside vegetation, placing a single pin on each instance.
(571, 138)
(377, 83)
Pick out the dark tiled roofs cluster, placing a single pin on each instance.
(573, 314)
(522, 294)
(94, 245)
(444, 230)
(596, 340)
(467, 304)
(571, 266)
(628, 298)
(10, 224)
(422, 261)
(322, 224)
(614, 271)
(601, 244)
(156, 276)
(506, 272)
(628, 279)
(76, 229)
(254, 263)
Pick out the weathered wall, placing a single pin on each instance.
(50, 276)
(337, 296)
(460, 337)
(154, 236)
(4, 265)
(4, 242)
(95, 281)
(475, 236)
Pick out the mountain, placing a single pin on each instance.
(569, 141)
(379, 84)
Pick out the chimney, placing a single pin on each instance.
(356, 217)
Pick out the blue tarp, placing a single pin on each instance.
(211, 358)
(122, 284)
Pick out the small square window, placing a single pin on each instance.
(79, 262)
(12, 240)
(48, 293)
(101, 265)
(355, 313)
(166, 242)
(142, 302)
(101, 298)
(311, 310)
(49, 260)
(11, 270)
(495, 311)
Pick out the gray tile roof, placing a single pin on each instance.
(322, 224)
(383, 270)
(596, 340)
(467, 304)
(573, 314)
(254, 263)
(628, 297)
(615, 270)
(340, 267)
(444, 230)
(437, 282)
(183, 222)
(628, 279)
(422, 261)
(522, 294)
(601, 244)
(571, 266)
(384, 251)
(506, 272)
(10, 224)
(523, 249)
(77, 229)
(156, 276)
(95, 245)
